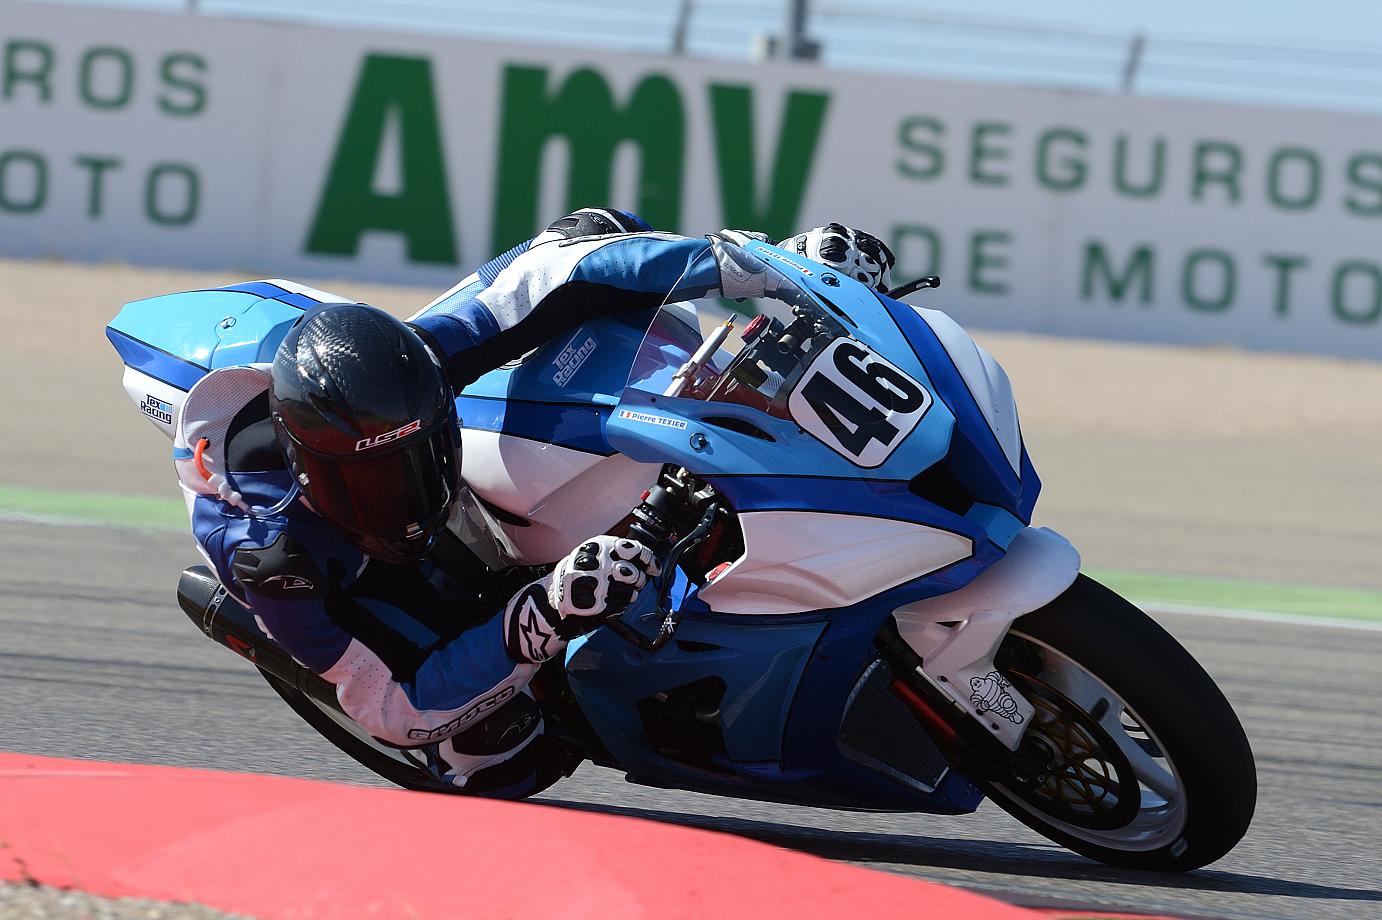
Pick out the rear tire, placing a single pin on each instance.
(402, 768)
(1168, 720)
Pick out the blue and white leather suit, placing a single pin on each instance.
(402, 674)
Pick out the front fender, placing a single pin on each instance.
(957, 634)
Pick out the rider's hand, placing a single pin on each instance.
(598, 580)
(862, 256)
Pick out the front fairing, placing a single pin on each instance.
(837, 534)
(701, 433)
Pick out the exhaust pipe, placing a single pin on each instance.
(207, 604)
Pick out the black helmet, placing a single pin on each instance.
(368, 427)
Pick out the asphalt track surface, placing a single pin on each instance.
(97, 661)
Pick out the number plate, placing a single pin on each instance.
(857, 403)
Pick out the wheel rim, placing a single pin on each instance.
(1087, 781)
(1059, 686)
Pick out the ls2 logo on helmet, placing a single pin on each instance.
(386, 437)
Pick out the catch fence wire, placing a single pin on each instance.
(882, 37)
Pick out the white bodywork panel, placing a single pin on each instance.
(319, 296)
(566, 495)
(160, 402)
(987, 381)
(795, 561)
(958, 658)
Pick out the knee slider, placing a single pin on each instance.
(502, 731)
(589, 222)
(501, 752)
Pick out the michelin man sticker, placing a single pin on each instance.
(990, 694)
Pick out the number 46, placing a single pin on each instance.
(855, 398)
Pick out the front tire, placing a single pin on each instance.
(1149, 765)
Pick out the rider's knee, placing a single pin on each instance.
(500, 754)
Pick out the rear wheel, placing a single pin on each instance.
(1145, 763)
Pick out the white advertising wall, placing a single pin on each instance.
(308, 152)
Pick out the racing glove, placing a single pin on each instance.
(598, 580)
(862, 256)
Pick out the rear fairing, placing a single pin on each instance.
(168, 343)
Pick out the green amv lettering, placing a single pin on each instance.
(124, 77)
(1072, 167)
(28, 62)
(731, 111)
(38, 188)
(582, 111)
(420, 210)
(1371, 312)
(1099, 271)
(1217, 163)
(1190, 290)
(982, 261)
(982, 152)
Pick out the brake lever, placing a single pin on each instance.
(671, 618)
(911, 287)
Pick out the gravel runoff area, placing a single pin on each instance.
(35, 902)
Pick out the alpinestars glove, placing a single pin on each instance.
(596, 581)
(862, 256)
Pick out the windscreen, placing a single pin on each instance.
(751, 352)
(786, 353)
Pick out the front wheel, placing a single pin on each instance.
(1144, 763)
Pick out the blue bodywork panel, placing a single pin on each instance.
(178, 338)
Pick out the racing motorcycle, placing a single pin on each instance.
(854, 612)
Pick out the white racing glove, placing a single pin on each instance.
(596, 581)
(862, 256)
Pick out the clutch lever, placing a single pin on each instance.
(666, 579)
(911, 287)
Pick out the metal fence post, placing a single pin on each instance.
(682, 27)
(1134, 61)
(795, 43)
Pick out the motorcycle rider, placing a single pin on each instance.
(323, 485)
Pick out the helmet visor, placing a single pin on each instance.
(393, 499)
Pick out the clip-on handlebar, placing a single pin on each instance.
(659, 522)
